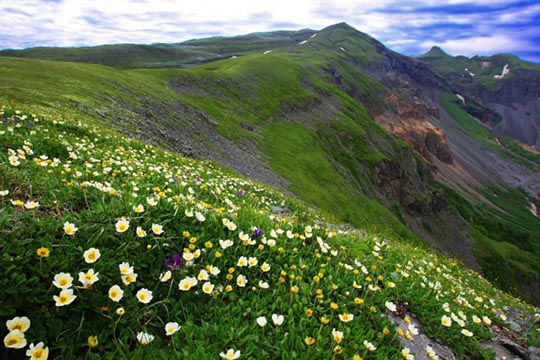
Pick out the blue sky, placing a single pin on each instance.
(461, 27)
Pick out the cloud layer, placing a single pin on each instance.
(459, 26)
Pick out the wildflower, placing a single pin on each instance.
(18, 323)
(277, 319)
(171, 328)
(261, 321)
(225, 244)
(4, 192)
(265, 267)
(309, 340)
(337, 335)
(63, 280)
(214, 270)
(140, 232)
(14, 160)
(157, 229)
(200, 217)
(144, 295)
(242, 261)
(43, 252)
(208, 287)
(203, 275)
(120, 311)
(406, 353)
(230, 354)
(390, 306)
(91, 255)
(358, 301)
(486, 320)
(476, 319)
(30, 205)
(369, 346)
(263, 284)
(252, 261)
(92, 341)
(295, 289)
(346, 317)
(187, 283)
(412, 329)
(125, 268)
(446, 321)
(116, 293)
(88, 278)
(122, 225)
(38, 352)
(65, 297)
(129, 278)
(15, 340)
(138, 209)
(241, 281)
(70, 229)
(144, 338)
(467, 332)
(431, 354)
(166, 276)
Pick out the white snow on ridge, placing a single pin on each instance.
(302, 42)
(461, 98)
(312, 36)
(342, 49)
(267, 52)
(470, 73)
(505, 71)
(533, 209)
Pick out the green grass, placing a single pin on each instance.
(92, 177)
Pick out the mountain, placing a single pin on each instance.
(505, 85)
(368, 136)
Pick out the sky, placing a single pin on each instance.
(460, 27)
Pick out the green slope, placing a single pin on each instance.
(55, 171)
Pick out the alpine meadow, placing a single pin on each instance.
(285, 194)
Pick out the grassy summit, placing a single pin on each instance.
(113, 248)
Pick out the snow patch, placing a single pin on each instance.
(505, 71)
(342, 49)
(469, 72)
(267, 52)
(312, 36)
(302, 42)
(461, 98)
(234, 57)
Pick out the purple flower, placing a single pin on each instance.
(256, 232)
(176, 263)
(240, 192)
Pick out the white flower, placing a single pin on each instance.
(63, 280)
(390, 306)
(277, 319)
(15, 340)
(116, 293)
(225, 244)
(242, 261)
(38, 352)
(88, 278)
(91, 255)
(140, 232)
(171, 328)
(157, 229)
(203, 275)
(369, 346)
(230, 354)
(144, 338)
(241, 281)
(265, 267)
(187, 283)
(125, 268)
(65, 297)
(30, 205)
(199, 216)
(208, 287)
(261, 321)
(263, 284)
(406, 353)
(214, 270)
(467, 332)
(144, 295)
(122, 225)
(18, 323)
(70, 228)
(446, 321)
(138, 209)
(166, 276)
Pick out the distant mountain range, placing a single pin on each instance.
(434, 148)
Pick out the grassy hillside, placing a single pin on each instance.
(208, 259)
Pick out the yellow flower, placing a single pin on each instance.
(334, 306)
(65, 297)
(122, 225)
(166, 276)
(15, 340)
(91, 255)
(357, 357)
(294, 289)
(92, 341)
(116, 293)
(337, 335)
(70, 229)
(337, 349)
(43, 252)
(386, 331)
(38, 352)
(18, 323)
(129, 278)
(309, 312)
(325, 320)
(309, 340)
(358, 301)
(144, 295)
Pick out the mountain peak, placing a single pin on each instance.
(436, 51)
